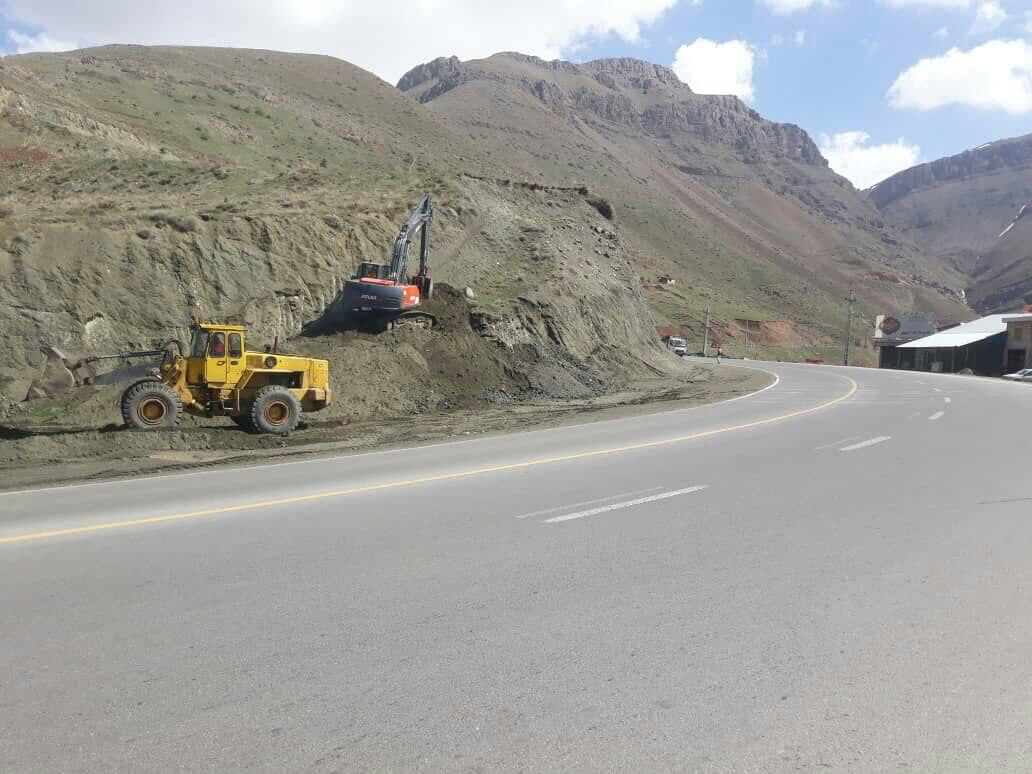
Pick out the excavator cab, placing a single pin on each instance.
(369, 270)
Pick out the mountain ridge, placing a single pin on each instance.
(717, 173)
(958, 209)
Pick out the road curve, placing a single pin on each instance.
(829, 573)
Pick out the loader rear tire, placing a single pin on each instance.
(276, 410)
(151, 405)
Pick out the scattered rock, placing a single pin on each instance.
(182, 224)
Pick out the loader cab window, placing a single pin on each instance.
(236, 346)
(199, 343)
(218, 344)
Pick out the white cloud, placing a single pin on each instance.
(25, 44)
(942, 33)
(709, 67)
(862, 164)
(387, 37)
(993, 76)
(988, 17)
(792, 6)
(777, 39)
(800, 37)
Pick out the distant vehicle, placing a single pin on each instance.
(678, 345)
(1024, 375)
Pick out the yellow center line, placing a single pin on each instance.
(425, 479)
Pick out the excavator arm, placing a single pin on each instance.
(419, 222)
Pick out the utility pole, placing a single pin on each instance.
(849, 328)
(705, 338)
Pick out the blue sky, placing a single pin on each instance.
(829, 69)
(880, 84)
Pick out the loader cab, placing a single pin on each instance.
(216, 355)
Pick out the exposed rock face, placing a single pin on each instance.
(1014, 154)
(957, 208)
(666, 107)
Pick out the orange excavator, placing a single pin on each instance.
(380, 294)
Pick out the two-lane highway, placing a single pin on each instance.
(831, 572)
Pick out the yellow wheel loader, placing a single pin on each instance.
(217, 376)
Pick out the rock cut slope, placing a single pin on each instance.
(141, 185)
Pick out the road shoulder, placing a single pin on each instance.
(48, 456)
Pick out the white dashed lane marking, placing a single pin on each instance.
(837, 443)
(868, 442)
(558, 508)
(627, 504)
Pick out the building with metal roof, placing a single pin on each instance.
(978, 346)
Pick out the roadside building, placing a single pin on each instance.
(978, 346)
(892, 330)
(1019, 342)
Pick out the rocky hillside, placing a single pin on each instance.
(957, 208)
(140, 185)
(743, 212)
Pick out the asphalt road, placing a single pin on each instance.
(835, 572)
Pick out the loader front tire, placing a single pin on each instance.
(151, 405)
(276, 410)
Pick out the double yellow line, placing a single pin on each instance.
(423, 480)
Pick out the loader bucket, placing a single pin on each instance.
(55, 377)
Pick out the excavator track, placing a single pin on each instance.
(412, 319)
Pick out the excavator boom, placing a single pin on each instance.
(419, 221)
